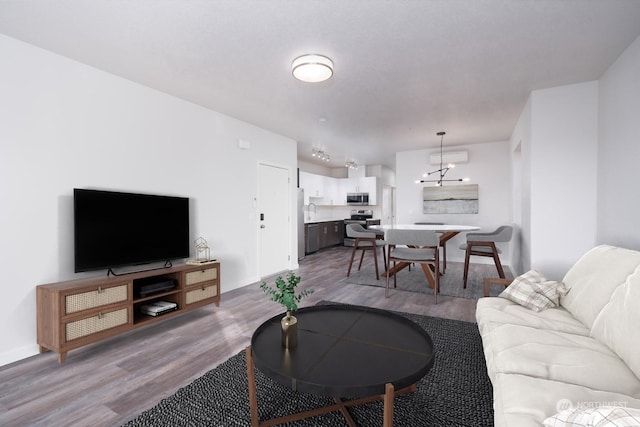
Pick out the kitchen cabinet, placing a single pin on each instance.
(313, 187)
(331, 192)
(337, 231)
(367, 184)
(328, 191)
(323, 234)
(331, 233)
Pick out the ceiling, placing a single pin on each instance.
(404, 70)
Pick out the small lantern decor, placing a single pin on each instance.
(202, 250)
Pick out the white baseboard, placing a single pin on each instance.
(17, 354)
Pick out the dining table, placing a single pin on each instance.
(446, 232)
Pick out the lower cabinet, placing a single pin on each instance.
(79, 312)
(331, 233)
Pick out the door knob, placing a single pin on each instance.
(262, 226)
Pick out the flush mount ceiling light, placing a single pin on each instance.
(351, 164)
(312, 68)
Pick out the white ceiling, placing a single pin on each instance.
(404, 69)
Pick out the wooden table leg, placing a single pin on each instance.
(387, 420)
(400, 265)
(393, 270)
(429, 275)
(251, 379)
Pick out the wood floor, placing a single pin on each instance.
(109, 383)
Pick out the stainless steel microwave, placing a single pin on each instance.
(358, 199)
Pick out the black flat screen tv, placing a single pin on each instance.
(115, 229)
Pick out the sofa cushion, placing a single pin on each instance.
(499, 310)
(618, 325)
(593, 278)
(532, 290)
(560, 357)
(524, 401)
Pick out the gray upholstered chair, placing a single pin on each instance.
(484, 244)
(419, 246)
(365, 240)
(443, 246)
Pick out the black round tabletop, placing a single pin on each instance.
(344, 351)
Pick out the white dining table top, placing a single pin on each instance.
(434, 227)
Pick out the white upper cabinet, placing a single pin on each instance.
(368, 184)
(329, 191)
(313, 187)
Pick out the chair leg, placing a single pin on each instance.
(384, 257)
(353, 253)
(444, 258)
(386, 288)
(395, 276)
(436, 285)
(466, 265)
(374, 249)
(496, 259)
(361, 258)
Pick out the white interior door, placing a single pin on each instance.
(388, 207)
(274, 222)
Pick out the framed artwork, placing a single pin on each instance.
(453, 199)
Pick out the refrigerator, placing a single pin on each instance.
(301, 246)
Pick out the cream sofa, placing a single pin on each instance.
(584, 353)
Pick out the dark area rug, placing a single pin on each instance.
(456, 392)
(415, 280)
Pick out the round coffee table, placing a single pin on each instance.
(343, 352)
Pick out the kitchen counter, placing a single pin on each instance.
(319, 220)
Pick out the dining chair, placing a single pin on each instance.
(484, 244)
(414, 246)
(444, 246)
(365, 241)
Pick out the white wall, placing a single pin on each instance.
(488, 166)
(520, 150)
(66, 125)
(619, 151)
(557, 135)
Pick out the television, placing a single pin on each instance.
(115, 229)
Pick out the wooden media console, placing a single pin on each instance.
(75, 313)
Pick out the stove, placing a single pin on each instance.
(364, 217)
(360, 215)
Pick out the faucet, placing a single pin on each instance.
(309, 209)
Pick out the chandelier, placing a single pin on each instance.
(315, 152)
(443, 169)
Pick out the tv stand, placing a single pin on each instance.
(75, 313)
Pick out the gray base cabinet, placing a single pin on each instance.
(322, 235)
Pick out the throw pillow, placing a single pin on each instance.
(595, 417)
(534, 291)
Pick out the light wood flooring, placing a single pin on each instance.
(109, 383)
